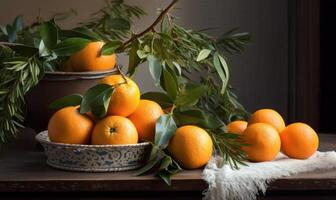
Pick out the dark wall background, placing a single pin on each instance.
(328, 67)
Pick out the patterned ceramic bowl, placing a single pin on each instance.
(93, 158)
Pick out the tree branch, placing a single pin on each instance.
(151, 27)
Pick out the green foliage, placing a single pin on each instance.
(18, 75)
(113, 22)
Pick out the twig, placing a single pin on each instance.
(122, 74)
(151, 27)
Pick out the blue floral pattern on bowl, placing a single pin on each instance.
(94, 158)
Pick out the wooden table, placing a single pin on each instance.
(23, 172)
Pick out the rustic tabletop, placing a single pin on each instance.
(23, 169)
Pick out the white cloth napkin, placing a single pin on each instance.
(248, 181)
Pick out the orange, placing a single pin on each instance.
(268, 116)
(191, 147)
(68, 126)
(262, 142)
(114, 130)
(89, 59)
(237, 127)
(144, 118)
(298, 140)
(125, 97)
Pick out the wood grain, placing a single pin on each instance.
(23, 169)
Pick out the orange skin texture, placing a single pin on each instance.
(298, 140)
(89, 59)
(262, 142)
(126, 96)
(68, 126)
(191, 147)
(237, 127)
(268, 116)
(114, 130)
(144, 118)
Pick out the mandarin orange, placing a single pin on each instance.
(298, 140)
(191, 147)
(125, 97)
(262, 142)
(68, 126)
(144, 118)
(114, 130)
(268, 116)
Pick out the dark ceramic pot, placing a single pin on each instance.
(55, 85)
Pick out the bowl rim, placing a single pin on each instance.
(88, 73)
(39, 138)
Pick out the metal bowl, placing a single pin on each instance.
(94, 158)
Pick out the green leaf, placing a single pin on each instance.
(168, 168)
(165, 128)
(165, 26)
(178, 67)
(155, 157)
(188, 117)
(211, 122)
(190, 94)
(197, 117)
(11, 33)
(119, 24)
(226, 69)
(23, 50)
(220, 71)
(18, 23)
(80, 32)
(70, 46)
(97, 99)
(170, 83)
(203, 54)
(161, 98)
(155, 69)
(43, 51)
(49, 34)
(142, 54)
(133, 58)
(110, 47)
(70, 100)
(3, 29)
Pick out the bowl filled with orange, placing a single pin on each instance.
(118, 141)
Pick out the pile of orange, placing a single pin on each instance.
(265, 135)
(129, 120)
(122, 125)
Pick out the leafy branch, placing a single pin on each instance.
(113, 22)
(19, 75)
(152, 26)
